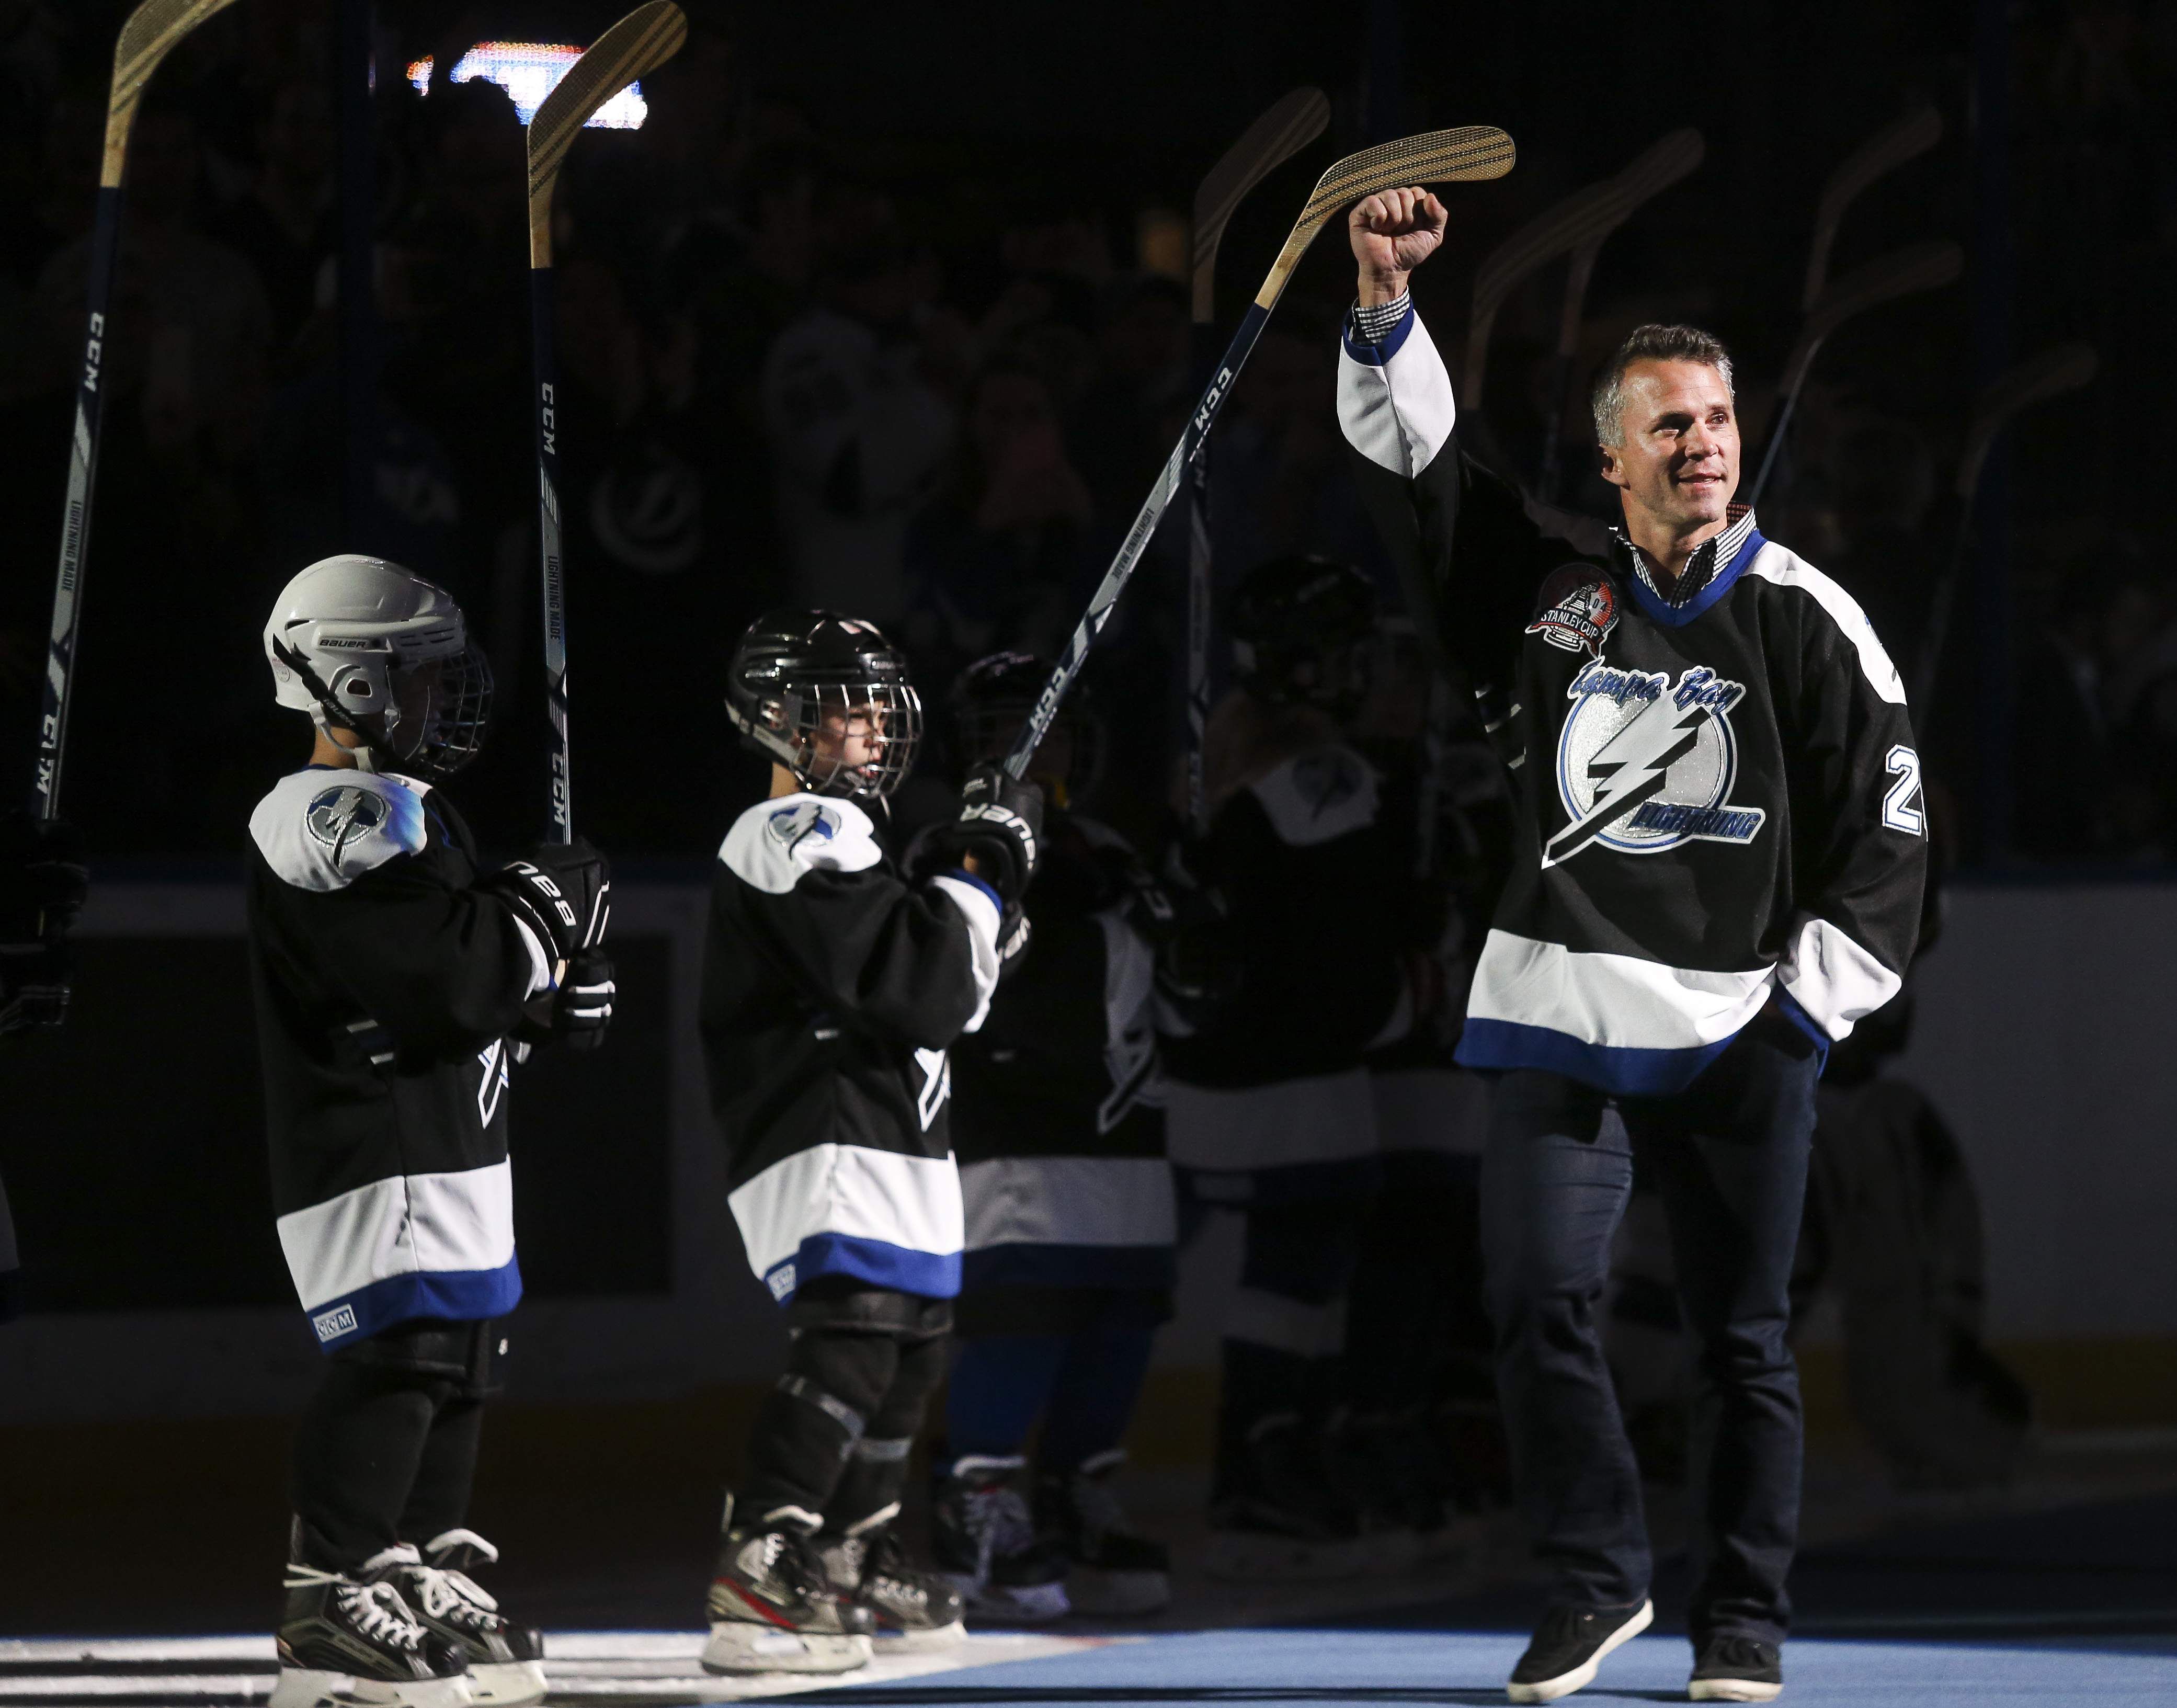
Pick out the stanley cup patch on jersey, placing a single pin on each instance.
(1580, 608)
(1644, 764)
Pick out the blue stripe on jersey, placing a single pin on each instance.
(452, 1296)
(1502, 1045)
(1656, 609)
(1068, 1266)
(1375, 355)
(933, 1275)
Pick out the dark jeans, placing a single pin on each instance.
(1729, 1153)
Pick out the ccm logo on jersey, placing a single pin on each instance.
(1644, 764)
(332, 1324)
(1578, 610)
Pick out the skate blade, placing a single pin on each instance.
(1110, 1595)
(915, 1642)
(1243, 1557)
(1022, 1604)
(304, 1687)
(735, 1647)
(506, 1683)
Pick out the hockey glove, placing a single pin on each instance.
(577, 1014)
(42, 887)
(1000, 824)
(562, 892)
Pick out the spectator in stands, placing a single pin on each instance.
(285, 224)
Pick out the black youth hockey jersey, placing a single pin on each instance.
(830, 990)
(1715, 798)
(1056, 1112)
(386, 987)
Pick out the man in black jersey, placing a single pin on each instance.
(395, 985)
(1716, 873)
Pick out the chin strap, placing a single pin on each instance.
(326, 714)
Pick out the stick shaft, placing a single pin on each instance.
(1138, 540)
(1201, 566)
(544, 366)
(75, 517)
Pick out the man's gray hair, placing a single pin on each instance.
(1652, 343)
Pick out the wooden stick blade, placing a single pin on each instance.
(152, 31)
(2053, 373)
(1273, 139)
(1883, 153)
(1472, 154)
(640, 42)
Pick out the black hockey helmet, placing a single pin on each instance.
(801, 680)
(1303, 629)
(990, 701)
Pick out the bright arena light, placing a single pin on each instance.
(526, 71)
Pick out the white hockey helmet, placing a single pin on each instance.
(362, 644)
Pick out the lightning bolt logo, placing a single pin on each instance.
(1629, 768)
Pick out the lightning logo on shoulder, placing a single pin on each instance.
(342, 814)
(1644, 766)
(791, 826)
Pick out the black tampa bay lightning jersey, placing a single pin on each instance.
(1717, 800)
(832, 988)
(386, 987)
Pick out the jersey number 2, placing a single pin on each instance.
(1904, 808)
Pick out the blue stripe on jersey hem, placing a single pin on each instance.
(1068, 1266)
(455, 1295)
(1789, 1006)
(1503, 1045)
(968, 877)
(934, 1275)
(1376, 355)
(1653, 606)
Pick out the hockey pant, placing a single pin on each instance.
(1081, 1375)
(832, 1440)
(387, 1447)
(1284, 1332)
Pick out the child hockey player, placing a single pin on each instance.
(1070, 1222)
(1267, 1104)
(832, 986)
(391, 982)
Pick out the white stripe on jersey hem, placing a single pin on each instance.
(1787, 568)
(1617, 1002)
(1834, 979)
(983, 919)
(774, 842)
(1069, 1201)
(912, 1202)
(1327, 1117)
(408, 1225)
(1400, 415)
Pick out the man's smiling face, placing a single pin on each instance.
(1678, 454)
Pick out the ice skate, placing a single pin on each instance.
(1115, 1570)
(772, 1609)
(506, 1661)
(343, 1642)
(867, 1563)
(986, 1544)
(1280, 1521)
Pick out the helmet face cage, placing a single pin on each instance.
(806, 717)
(450, 730)
(985, 729)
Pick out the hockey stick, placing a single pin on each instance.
(152, 31)
(1915, 133)
(1614, 202)
(1442, 156)
(2050, 374)
(1272, 140)
(641, 41)
(1902, 273)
